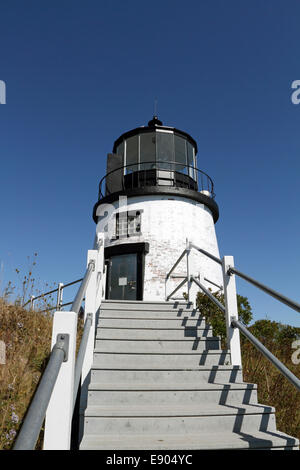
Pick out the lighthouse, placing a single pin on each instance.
(153, 201)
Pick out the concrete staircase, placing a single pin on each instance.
(160, 381)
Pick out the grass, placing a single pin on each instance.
(273, 388)
(27, 336)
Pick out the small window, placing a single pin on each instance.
(128, 224)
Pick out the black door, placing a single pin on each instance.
(125, 271)
(122, 277)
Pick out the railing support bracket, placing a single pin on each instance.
(62, 342)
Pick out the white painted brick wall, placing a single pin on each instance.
(166, 223)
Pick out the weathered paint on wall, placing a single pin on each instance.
(166, 224)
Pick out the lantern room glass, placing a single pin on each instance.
(160, 150)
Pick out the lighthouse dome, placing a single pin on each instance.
(153, 198)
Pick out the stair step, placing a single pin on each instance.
(159, 380)
(171, 386)
(153, 334)
(235, 419)
(201, 375)
(193, 346)
(174, 395)
(146, 305)
(160, 361)
(215, 441)
(159, 314)
(145, 302)
(158, 322)
(161, 411)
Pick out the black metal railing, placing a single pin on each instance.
(155, 173)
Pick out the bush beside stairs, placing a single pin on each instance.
(160, 381)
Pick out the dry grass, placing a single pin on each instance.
(27, 336)
(273, 388)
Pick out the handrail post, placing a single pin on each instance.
(60, 409)
(59, 296)
(100, 270)
(231, 312)
(90, 308)
(189, 283)
(32, 298)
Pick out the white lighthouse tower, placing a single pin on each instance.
(152, 200)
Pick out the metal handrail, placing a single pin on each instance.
(206, 253)
(234, 322)
(177, 262)
(213, 283)
(282, 298)
(177, 288)
(33, 298)
(277, 295)
(55, 307)
(185, 252)
(209, 294)
(210, 184)
(32, 424)
(237, 324)
(81, 291)
(281, 367)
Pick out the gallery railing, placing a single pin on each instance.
(156, 173)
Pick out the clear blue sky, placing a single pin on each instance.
(80, 73)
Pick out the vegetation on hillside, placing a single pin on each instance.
(25, 346)
(283, 341)
(27, 339)
(26, 335)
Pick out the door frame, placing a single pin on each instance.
(141, 249)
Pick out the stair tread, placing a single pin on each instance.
(217, 440)
(157, 341)
(144, 302)
(176, 311)
(199, 409)
(135, 386)
(199, 368)
(151, 318)
(169, 353)
(141, 328)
